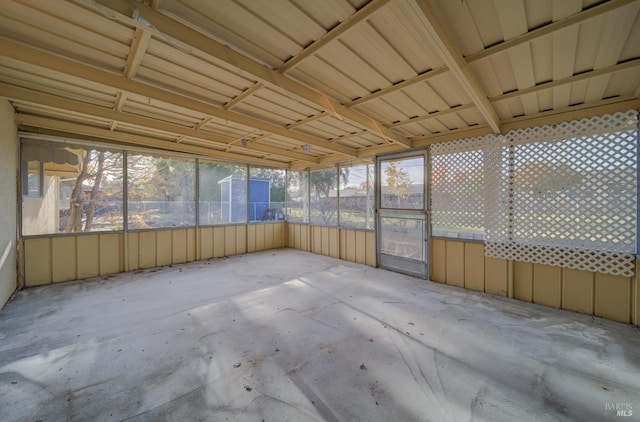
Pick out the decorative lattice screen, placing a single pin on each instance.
(457, 188)
(565, 195)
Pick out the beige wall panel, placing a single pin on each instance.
(495, 276)
(613, 297)
(63, 258)
(241, 239)
(343, 244)
(111, 253)
(577, 290)
(164, 247)
(179, 246)
(334, 242)
(474, 266)
(260, 237)
(326, 248)
(277, 235)
(192, 253)
(304, 237)
(371, 248)
(438, 262)
(206, 242)
(455, 263)
(316, 239)
(297, 236)
(133, 250)
(37, 261)
(88, 256)
(269, 241)
(230, 240)
(291, 235)
(9, 161)
(350, 245)
(147, 249)
(251, 238)
(547, 285)
(361, 247)
(523, 281)
(218, 242)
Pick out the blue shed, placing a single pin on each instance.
(233, 198)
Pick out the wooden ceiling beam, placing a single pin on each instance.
(69, 67)
(574, 112)
(400, 85)
(571, 79)
(138, 50)
(550, 28)
(434, 115)
(458, 66)
(378, 150)
(236, 62)
(307, 120)
(243, 95)
(361, 15)
(137, 140)
(452, 135)
(34, 97)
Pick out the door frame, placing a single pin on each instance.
(404, 265)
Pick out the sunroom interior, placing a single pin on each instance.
(490, 145)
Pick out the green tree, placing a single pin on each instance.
(322, 182)
(398, 181)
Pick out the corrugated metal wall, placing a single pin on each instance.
(457, 263)
(59, 258)
(463, 264)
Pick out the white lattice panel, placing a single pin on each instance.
(457, 188)
(566, 195)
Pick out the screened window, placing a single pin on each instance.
(457, 189)
(162, 192)
(298, 196)
(402, 183)
(323, 189)
(267, 192)
(70, 189)
(223, 193)
(356, 201)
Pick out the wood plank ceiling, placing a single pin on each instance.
(297, 83)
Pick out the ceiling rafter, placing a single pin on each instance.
(202, 123)
(237, 62)
(378, 150)
(452, 135)
(137, 51)
(45, 60)
(30, 96)
(121, 97)
(146, 141)
(590, 13)
(434, 115)
(458, 66)
(571, 79)
(348, 136)
(573, 112)
(362, 14)
(308, 120)
(400, 85)
(243, 95)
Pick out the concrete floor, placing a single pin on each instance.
(287, 335)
